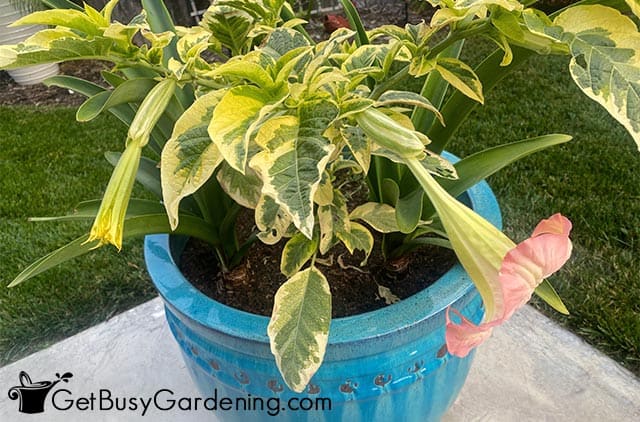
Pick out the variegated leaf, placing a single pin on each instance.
(461, 77)
(381, 217)
(605, 62)
(333, 218)
(357, 238)
(283, 40)
(292, 164)
(243, 188)
(436, 164)
(297, 251)
(67, 18)
(229, 26)
(55, 45)
(189, 158)
(299, 326)
(409, 98)
(232, 118)
(324, 194)
(359, 145)
(272, 220)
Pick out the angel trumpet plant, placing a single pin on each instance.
(505, 274)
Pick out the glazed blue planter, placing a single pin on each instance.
(386, 365)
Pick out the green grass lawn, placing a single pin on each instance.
(49, 163)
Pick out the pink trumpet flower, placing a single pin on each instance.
(523, 269)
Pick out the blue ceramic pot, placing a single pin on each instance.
(386, 365)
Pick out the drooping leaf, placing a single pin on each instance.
(294, 159)
(605, 62)
(297, 251)
(381, 217)
(332, 218)
(359, 145)
(299, 326)
(271, 219)
(243, 188)
(189, 158)
(357, 238)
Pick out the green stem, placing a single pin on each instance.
(478, 27)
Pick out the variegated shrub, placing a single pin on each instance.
(245, 111)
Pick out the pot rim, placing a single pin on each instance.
(181, 295)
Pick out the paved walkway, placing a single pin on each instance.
(530, 370)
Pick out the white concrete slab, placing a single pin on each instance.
(530, 370)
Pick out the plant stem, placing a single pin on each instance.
(476, 28)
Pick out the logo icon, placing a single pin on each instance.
(33, 394)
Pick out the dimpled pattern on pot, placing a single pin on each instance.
(386, 365)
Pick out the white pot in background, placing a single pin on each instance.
(28, 75)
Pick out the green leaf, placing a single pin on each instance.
(135, 226)
(547, 293)
(381, 217)
(299, 326)
(357, 238)
(189, 158)
(160, 21)
(88, 210)
(483, 164)
(73, 83)
(231, 122)
(243, 188)
(283, 40)
(130, 91)
(148, 174)
(605, 61)
(294, 159)
(355, 22)
(297, 251)
(409, 210)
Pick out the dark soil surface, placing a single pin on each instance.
(354, 289)
(39, 95)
